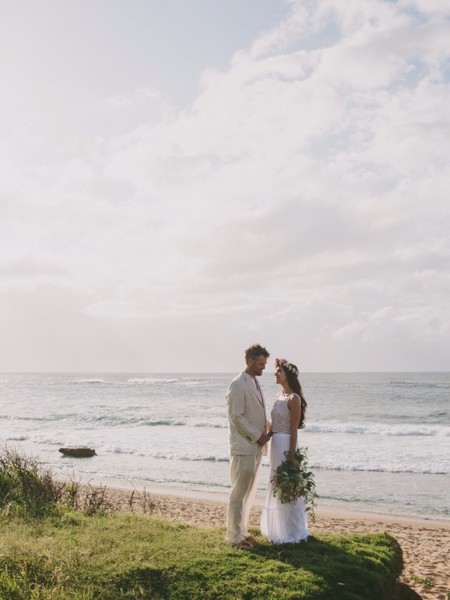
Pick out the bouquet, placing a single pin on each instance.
(290, 482)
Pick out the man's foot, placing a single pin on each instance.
(250, 538)
(244, 545)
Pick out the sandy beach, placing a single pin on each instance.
(425, 544)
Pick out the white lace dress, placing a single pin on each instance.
(282, 523)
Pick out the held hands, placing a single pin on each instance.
(265, 437)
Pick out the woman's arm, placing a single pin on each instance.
(295, 408)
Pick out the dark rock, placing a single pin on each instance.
(78, 452)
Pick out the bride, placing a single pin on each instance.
(285, 523)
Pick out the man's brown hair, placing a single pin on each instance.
(254, 351)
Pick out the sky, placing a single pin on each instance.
(180, 179)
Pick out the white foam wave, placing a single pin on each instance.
(119, 450)
(380, 429)
(117, 421)
(420, 384)
(154, 423)
(213, 424)
(390, 468)
(151, 380)
(170, 456)
(185, 381)
(89, 381)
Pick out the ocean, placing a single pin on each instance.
(377, 442)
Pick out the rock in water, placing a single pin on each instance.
(78, 452)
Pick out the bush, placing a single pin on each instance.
(28, 489)
(24, 486)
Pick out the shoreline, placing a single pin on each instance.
(425, 543)
(330, 510)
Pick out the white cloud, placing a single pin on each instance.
(431, 8)
(136, 97)
(304, 191)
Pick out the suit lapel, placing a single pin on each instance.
(251, 386)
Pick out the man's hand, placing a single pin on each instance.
(265, 437)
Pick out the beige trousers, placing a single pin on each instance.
(243, 474)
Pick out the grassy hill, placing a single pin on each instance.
(50, 551)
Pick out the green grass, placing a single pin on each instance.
(422, 580)
(73, 556)
(57, 543)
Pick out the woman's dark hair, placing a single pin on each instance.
(296, 387)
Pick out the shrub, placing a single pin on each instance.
(24, 486)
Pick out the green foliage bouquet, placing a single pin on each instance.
(290, 482)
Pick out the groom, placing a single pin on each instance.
(248, 436)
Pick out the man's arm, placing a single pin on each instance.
(236, 412)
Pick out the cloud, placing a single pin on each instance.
(430, 8)
(136, 97)
(305, 184)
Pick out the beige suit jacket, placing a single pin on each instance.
(246, 415)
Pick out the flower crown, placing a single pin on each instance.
(282, 362)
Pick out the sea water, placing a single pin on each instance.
(376, 442)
